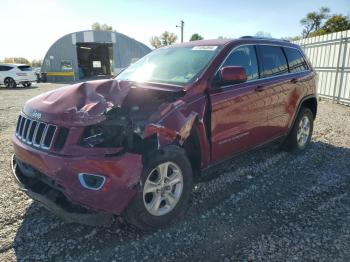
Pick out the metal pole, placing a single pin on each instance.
(182, 30)
(342, 68)
(337, 69)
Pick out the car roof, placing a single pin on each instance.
(243, 39)
(9, 64)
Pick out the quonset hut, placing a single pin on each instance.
(89, 54)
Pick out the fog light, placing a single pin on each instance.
(91, 181)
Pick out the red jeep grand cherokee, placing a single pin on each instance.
(132, 146)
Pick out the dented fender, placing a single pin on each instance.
(178, 124)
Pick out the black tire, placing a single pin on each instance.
(27, 84)
(291, 143)
(136, 213)
(10, 82)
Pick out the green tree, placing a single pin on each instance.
(166, 38)
(313, 20)
(101, 27)
(195, 37)
(336, 23)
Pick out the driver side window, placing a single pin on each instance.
(244, 56)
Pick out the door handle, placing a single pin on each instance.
(294, 80)
(260, 88)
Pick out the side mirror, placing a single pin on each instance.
(233, 75)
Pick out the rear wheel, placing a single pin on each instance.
(10, 82)
(300, 135)
(27, 84)
(165, 190)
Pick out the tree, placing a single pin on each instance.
(195, 37)
(292, 38)
(166, 38)
(16, 60)
(336, 23)
(263, 34)
(37, 63)
(101, 27)
(313, 20)
(155, 42)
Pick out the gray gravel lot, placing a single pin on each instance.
(263, 205)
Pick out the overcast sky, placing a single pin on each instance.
(29, 27)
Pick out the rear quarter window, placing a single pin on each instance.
(25, 68)
(273, 61)
(295, 59)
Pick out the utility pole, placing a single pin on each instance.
(182, 30)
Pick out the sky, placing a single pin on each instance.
(29, 27)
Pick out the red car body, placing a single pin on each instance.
(220, 123)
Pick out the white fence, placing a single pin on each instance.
(330, 56)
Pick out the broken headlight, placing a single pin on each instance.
(105, 134)
(93, 136)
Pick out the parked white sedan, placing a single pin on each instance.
(13, 74)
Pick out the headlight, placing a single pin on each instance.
(93, 136)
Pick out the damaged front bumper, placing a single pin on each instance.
(55, 181)
(62, 208)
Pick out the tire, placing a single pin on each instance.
(10, 82)
(300, 135)
(142, 212)
(27, 84)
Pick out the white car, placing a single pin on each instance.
(13, 74)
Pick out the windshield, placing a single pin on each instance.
(177, 65)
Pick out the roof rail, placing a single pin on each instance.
(263, 38)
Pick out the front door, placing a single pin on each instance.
(239, 111)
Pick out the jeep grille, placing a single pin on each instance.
(32, 132)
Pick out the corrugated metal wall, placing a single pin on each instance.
(330, 56)
(125, 50)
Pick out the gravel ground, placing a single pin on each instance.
(263, 205)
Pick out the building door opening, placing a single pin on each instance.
(94, 59)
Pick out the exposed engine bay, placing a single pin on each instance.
(124, 126)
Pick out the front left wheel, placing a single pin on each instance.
(165, 190)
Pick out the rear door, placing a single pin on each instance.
(277, 87)
(301, 80)
(238, 111)
(26, 71)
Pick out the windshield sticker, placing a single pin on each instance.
(205, 47)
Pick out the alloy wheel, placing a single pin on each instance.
(163, 188)
(303, 132)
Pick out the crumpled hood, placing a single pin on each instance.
(80, 104)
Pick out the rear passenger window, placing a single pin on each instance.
(244, 56)
(25, 68)
(296, 60)
(273, 61)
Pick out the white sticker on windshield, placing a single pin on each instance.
(205, 47)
